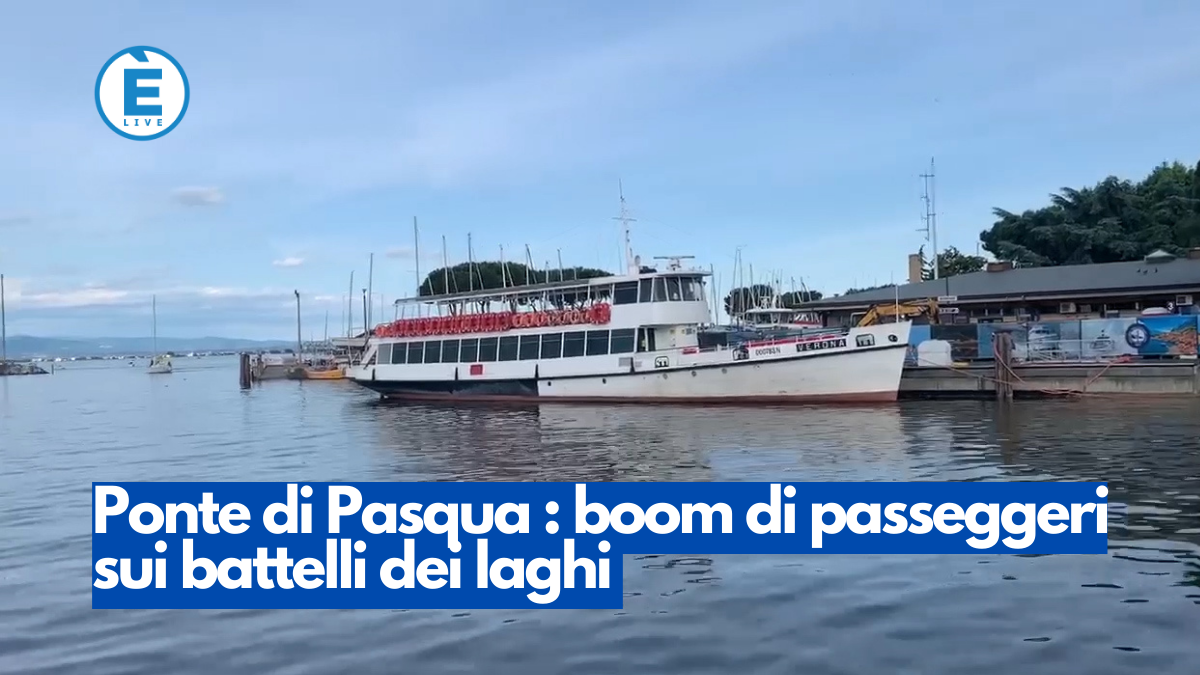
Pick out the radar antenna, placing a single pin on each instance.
(674, 262)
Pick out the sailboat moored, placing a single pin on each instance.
(160, 364)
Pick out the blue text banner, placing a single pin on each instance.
(513, 545)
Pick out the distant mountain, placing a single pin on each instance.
(27, 346)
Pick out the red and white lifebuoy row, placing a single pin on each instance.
(494, 322)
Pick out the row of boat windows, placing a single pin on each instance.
(511, 347)
(658, 289)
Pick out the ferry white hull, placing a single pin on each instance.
(851, 377)
(861, 366)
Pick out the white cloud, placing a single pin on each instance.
(14, 219)
(198, 196)
(288, 262)
(400, 252)
(22, 293)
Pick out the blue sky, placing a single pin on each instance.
(794, 130)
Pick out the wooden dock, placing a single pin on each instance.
(1176, 377)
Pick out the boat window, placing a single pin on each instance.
(416, 352)
(508, 348)
(399, 353)
(470, 351)
(601, 293)
(552, 345)
(433, 351)
(487, 350)
(597, 342)
(529, 347)
(645, 340)
(691, 289)
(644, 287)
(385, 353)
(625, 293)
(450, 351)
(622, 341)
(573, 343)
(660, 289)
(674, 294)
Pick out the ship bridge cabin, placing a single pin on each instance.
(600, 317)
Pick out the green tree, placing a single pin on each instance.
(740, 299)
(867, 288)
(951, 262)
(794, 299)
(489, 274)
(1115, 220)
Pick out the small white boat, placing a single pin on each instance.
(160, 364)
(780, 319)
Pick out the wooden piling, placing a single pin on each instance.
(244, 371)
(1002, 344)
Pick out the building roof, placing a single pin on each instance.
(1048, 282)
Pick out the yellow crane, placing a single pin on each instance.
(908, 310)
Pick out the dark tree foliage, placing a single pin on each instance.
(793, 299)
(867, 288)
(951, 262)
(487, 275)
(1113, 221)
(743, 298)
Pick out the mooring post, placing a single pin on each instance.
(244, 370)
(1002, 343)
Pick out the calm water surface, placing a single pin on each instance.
(1134, 610)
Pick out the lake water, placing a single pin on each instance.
(1135, 610)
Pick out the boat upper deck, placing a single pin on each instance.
(578, 291)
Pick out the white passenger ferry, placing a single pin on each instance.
(633, 337)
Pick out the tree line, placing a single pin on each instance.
(1115, 220)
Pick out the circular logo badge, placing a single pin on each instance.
(1137, 336)
(142, 93)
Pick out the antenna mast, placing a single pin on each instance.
(930, 216)
(630, 263)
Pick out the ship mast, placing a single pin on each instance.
(631, 264)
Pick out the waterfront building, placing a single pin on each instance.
(1002, 293)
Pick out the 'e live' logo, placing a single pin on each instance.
(142, 93)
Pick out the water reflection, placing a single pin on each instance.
(1133, 609)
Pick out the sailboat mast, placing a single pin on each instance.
(3, 327)
(417, 260)
(471, 264)
(712, 275)
(154, 323)
(370, 286)
(299, 340)
(445, 268)
(350, 307)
